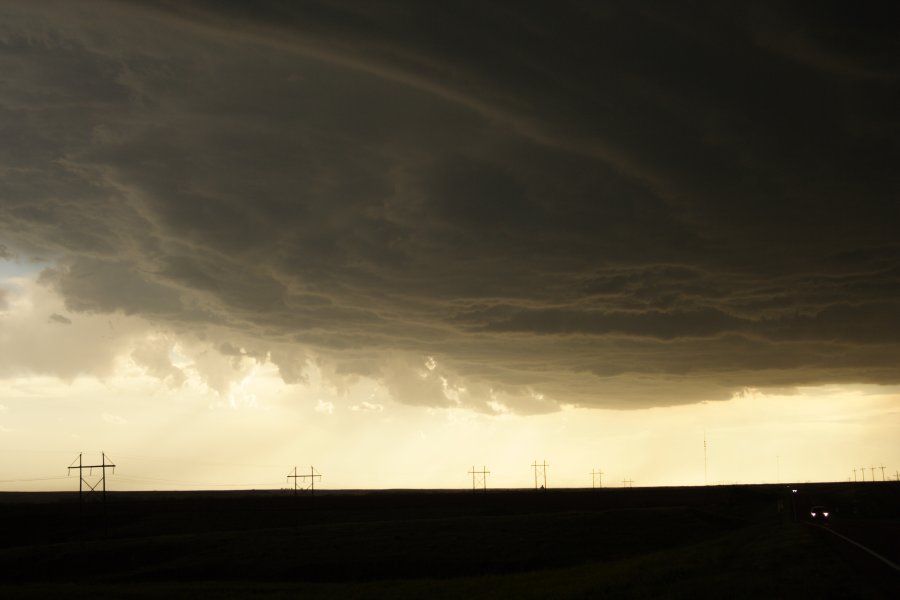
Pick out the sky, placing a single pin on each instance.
(396, 240)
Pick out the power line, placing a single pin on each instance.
(151, 480)
(34, 479)
(156, 458)
(197, 462)
(32, 451)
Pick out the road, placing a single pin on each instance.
(879, 537)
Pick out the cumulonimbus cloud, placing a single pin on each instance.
(602, 206)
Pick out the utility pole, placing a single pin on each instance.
(897, 475)
(628, 483)
(854, 474)
(542, 466)
(882, 473)
(483, 473)
(312, 480)
(295, 477)
(862, 473)
(705, 461)
(594, 474)
(82, 482)
(873, 473)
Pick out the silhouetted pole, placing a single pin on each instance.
(897, 475)
(312, 479)
(103, 478)
(854, 474)
(543, 467)
(882, 473)
(594, 474)
(80, 485)
(705, 461)
(81, 482)
(294, 477)
(484, 473)
(873, 473)
(862, 473)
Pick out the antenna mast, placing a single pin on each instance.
(705, 461)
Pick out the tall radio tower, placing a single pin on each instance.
(705, 462)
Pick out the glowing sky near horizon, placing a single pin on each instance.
(190, 435)
(396, 241)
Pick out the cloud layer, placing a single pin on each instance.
(488, 206)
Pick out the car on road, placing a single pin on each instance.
(819, 513)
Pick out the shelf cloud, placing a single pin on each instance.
(602, 205)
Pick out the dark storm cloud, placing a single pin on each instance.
(599, 203)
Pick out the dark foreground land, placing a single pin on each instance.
(722, 541)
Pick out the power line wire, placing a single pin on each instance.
(146, 457)
(152, 480)
(33, 451)
(33, 479)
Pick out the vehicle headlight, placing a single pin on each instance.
(812, 514)
(824, 514)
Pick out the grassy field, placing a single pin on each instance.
(758, 562)
(669, 543)
(431, 547)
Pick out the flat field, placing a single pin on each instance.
(735, 541)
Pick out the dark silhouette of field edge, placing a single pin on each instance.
(665, 542)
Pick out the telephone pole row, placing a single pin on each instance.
(862, 473)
